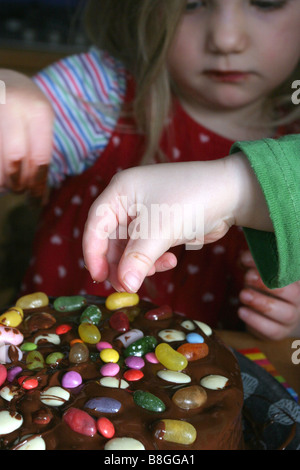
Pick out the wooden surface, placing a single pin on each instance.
(27, 61)
(281, 354)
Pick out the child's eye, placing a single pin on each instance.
(193, 5)
(268, 4)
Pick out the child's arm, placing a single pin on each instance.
(225, 192)
(26, 120)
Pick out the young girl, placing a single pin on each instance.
(171, 80)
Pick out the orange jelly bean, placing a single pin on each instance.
(193, 351)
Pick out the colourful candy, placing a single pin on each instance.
(110, 370)
(103, 405)
(42, 416)
(34, 360)
(80, 421)
(12, 317)
(130, 337)
(103, 345)
(194, 338)
(160, 313)
(3, 374)
(109, 355)
(119, 321)
(170, 358)
(190, 398)
(105, 427)
(28, 383)
(119, 300)
(13, 372)
(150, 357)
(27, 347)
(69, 304)
(71, 379)
(92, 314)
(54, 396)
(10, 335)
(36, 300)
(79, 353)
(135, 362)
(89, 333)
(148, 401)
(10, 353)
(62, 329)
(54, 358)
(10, 421)
(141, 346)
(133, 375)
(175, 431)
(171, 335)
(193, 352)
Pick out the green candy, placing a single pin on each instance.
(148, 401)
(54, 358)
(69, 304)
(28, 347)
(141, 346)
(92, 314)
(34, 360)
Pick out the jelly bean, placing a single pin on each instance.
(13, 372)
(54, 358)
(92, 314)
(119, 300)
(103, 405)
(79, 353)
(105, 427)
(170, 358)
(175, 431)
(173, 376)
(109, 355)
(34, 360)
(113, 382)
(119, 321)
(10, 335)
(89, 333)
(151, 358)
(31, 443)
(110, 370)
(48, 338)
(135, 362)
(160, 313)
(27, 347)
(62, 329)
(80, 421)
(36, 300)
(133, 375)
(10, 353)
(193, 352)
(214, 382)
(130, 337)
(3, 374)
(171, 335)
(124, 443)
(148, 401)
(141, 347)
(71, 379)
(194, 338)
(10, 421)
(188, 325)
(204, 327)
(42, 416)
(54, 396)
(103, 345)
(8, 392)
(69, 304)
(190, 398)
(13, 317)
(74, 341)
(28, 383)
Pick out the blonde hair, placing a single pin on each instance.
(139, 33)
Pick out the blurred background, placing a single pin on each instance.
(33, 34)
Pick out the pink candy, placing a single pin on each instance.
(135, 362)
(151, 358)
(10, 335)
(80, 421)
(13, 372)
(3, 374)
(103, 345)
(110, 369)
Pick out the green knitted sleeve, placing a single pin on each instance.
(276, 164)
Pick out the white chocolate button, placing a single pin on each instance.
(204, 327)
(113, 382)
(173, 376)
(32, 443)
(54, 396)
(171, 335)
(50, 338)
(9, 421)
(8, 393)
(214, 382)
(124, 443)
(188, 325)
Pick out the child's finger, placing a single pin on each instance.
(262, 326)
(290, 293)
(247, 260)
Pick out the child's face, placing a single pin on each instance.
(228, 54)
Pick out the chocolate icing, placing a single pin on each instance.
(218, 422)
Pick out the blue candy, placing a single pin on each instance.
(194, 338)
(103, 404)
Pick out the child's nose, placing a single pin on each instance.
(226, 32)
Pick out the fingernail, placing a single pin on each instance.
(246, 257)
(246, 296)
(243, 313)
(251, 276)
(132, 281)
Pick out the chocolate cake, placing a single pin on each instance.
(114, 374)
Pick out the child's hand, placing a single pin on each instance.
(273, 314)
(224, 192)
(26, 121)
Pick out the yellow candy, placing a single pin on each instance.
(176, 431)
(36, 300)
(170, 358)
(13, 317)
(89, 333)
(109, 355)
(121, 299)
